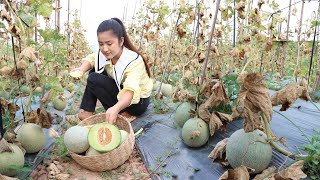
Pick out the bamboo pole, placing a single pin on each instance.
(286, 44)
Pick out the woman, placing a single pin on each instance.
(120, 78)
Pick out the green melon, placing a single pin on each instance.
(31, 137)
(59, 103)
(182, 113)
(156, 85)
(104, 137)
(166, 90)
(70, 87)
(76, 139)
(249, 149)
(124, 135)
(25, 90)
(4, 94)
(195, 132)
(10, 162)
(92, 152)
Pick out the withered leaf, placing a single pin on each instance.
(218, 120)
(253, 99)
(219, 149)
(293, 172)
(29, 53)
(218, 95)
(204, 113)
(45, 118)
(288, 95)
(3, 177)
(267, 174)
(32, 117)
(239, 173)
(5, 15)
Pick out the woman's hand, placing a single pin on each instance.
(112, 114)
(77, 73)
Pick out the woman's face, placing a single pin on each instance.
(109, 45)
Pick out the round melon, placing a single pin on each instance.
(182, 113)
(38, 89)
(92, 152)
(59, 103)
(31, 137)
(249, 149)
(156, 85)
(25, 90)
(104, 137)
(70, 87)
(4, 94)
(76, 139)
(195, 132)
(166, 90)
(124, 135)
(11, 159)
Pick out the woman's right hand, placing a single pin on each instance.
(76, 73)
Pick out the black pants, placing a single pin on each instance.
(104, 88)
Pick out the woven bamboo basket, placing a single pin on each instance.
(109, 160)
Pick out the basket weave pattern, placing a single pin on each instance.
(109, 160)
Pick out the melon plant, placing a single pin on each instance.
(10, 161)
(195, 132)
(59, 103)
(70, 87)
(76, 139)
(31, 137)
(124, 135)
(92, 152)
(249, 149)
(166, 90)
(182, 113)
(104, 137)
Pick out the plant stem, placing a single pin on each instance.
(168, 54)
(272, 143)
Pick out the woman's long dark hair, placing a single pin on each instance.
(119, 30)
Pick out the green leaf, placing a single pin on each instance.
(28, 19)
(164, 10)
(314, 23)
(2, 25)
(50, 35)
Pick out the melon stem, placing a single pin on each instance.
(272, 143)
(4, 146)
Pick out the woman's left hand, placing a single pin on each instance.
(112, 115)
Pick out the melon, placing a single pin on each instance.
(31, 137)
(182, 113)
(76, 74)
(156, 85)
(124, 135)
(59, 103)
(195, 132)
(76, 139)
(4, 94)
(92, 152)
(249, 149)
(70, 87)
(104, 137)
(10, 162)
(38, 89)
(25, 90)
(166, 90)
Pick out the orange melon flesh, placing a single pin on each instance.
(104, 137)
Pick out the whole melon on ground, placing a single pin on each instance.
(11, 159)
(92, 152)
(166, 90)
(70, 87)
(38, 89)
(195, 132)
(76, 139)
(249, 149)
(182, 113)
(124, 135)
(59, 103)
(104, 137)
(25, 90)
(156, 85)
(31, 137)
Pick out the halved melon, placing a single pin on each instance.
(104, 137)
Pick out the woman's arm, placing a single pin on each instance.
(124, 101)
(85, 66)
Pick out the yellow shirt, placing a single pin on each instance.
(134, 77)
